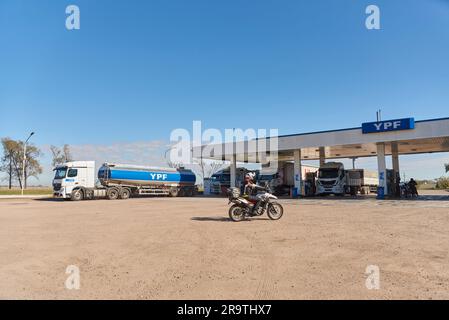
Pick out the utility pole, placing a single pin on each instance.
(353, 162)
(10, 171)
(379, 115)
(24, 160)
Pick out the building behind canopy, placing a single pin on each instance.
(379, 139)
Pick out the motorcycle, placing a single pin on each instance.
(244, 208)
(407, 191)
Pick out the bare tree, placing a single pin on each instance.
(67, 153)
(32, 165)
(60, 155)
(207, 168)
(175, 165)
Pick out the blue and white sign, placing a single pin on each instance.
(388, 125)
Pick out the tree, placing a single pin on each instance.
(67, 154)
(447, 167)
(208, 168)
(442, 183)
(60, 155)
(175, 165)
(32, 165)
(9, 164)
(12, 161)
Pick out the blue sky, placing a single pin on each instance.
(136, 70)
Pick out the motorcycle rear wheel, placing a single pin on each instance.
(275, 211)
(236, 213)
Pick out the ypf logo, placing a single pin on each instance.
(158, 176)
(389, 125)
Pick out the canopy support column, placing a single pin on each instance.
(233, 171)
(382, 169)
(322, 156)
(297, 171)
(395, 161)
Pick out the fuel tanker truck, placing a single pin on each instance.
(76, 180)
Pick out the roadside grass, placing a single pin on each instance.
(428, 186)
(29, 191)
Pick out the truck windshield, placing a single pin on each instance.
(328, 173)
(60, 173)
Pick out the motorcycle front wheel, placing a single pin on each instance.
(236, 213)
(275, 211)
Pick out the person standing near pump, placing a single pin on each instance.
(412, 184)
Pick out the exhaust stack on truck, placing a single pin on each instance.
(75, 180)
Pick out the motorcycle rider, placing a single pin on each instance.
(250, 190)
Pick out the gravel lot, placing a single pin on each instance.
(185, 248)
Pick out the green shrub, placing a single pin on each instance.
(442, 183)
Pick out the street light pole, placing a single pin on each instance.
(24, 160)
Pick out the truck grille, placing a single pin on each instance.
(328, 183)
(56, 186)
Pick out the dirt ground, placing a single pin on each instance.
(185, 248)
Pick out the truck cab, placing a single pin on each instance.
(221, 180)
(72, 175)
(331, 179)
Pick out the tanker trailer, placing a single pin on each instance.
(75, 180)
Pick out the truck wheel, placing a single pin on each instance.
(77, 195)
(113, 193)
(125, 194)
(353, 191)
(173, 192)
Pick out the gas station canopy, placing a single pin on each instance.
(380, 138)
(426, 136)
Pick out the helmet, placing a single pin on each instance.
(250, 176)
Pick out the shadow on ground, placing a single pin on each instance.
(215, 219)
(224, 219)
(425, 197)
(51, 199)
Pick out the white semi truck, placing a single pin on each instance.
(76, 180)
(334, 179)
(220, 181)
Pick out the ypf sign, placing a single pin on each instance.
(388, 125)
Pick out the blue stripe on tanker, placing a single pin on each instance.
(175, 177)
